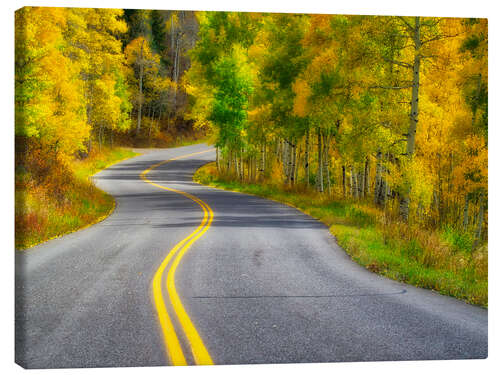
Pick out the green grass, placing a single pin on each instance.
(64, 202)
(85, 168)
(459, 240)
(188, 141)
(441, 261)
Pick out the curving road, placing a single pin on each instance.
(260, 283)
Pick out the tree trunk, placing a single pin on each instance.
(352, 183)
(262, 156)
(289, 159)
(307, 157)
(265, 157)
(236, 166)
(284, 156)
(242, 168)
(410, 145)
(151, 120)
(172, 44)
(326, 148)
(89, 114)
(476, 98)
(319, 176)
(479, 220)
(297, 164)
(159, 119)
(141, 74)
(254, 178)
(343, 181)
(466, 212)
(361, 187)
(100, 137)
(217, 162)
(366, 187)
(382, 187)
(412, 130)
(294, 160)
(176, 71)
(376, 192)
(355, 186)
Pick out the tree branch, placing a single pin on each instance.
(397, 141)
(400, 63)
(410, 28)
(438, 37)
(391, 87)
(428, 56)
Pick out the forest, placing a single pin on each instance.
(89, 82)
(386, 114)
(390, 108)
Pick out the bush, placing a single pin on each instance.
(458, 240)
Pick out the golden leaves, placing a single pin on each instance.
(302, 92)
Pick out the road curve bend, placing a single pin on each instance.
(185, 274)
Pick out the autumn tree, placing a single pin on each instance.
(145, 67)
(94, 46)
(48, 91)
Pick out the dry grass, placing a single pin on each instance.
(53, 198)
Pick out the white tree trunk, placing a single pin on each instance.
(343, 181)
(217, 162)
(367, 178)
(307, 157)
(480, 220)
(466, 212)
(326, 148)
(263, 156)
(412, 130)
(354, 183)
(141, 74)
(319, 176)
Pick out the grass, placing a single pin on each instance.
(164, 139)
(63, 201)
(85, 168)
(188, 141)
(443, 261)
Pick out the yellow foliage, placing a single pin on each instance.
(48, 89)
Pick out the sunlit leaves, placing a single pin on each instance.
(352, 77)
(48, 90)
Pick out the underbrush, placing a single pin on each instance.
(163, 139)
(53, 198)
(444, 261)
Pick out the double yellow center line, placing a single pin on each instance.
(172, 344)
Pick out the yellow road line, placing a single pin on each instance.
(173, 348)
(200, 353)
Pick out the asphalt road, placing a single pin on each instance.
(263, 283)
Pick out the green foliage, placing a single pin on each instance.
(139, 24)
(122, 92)
(158, 32)
(459, 240)
(231, 100)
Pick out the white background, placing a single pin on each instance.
(443, 8)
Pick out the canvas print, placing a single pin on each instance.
(216, 188)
